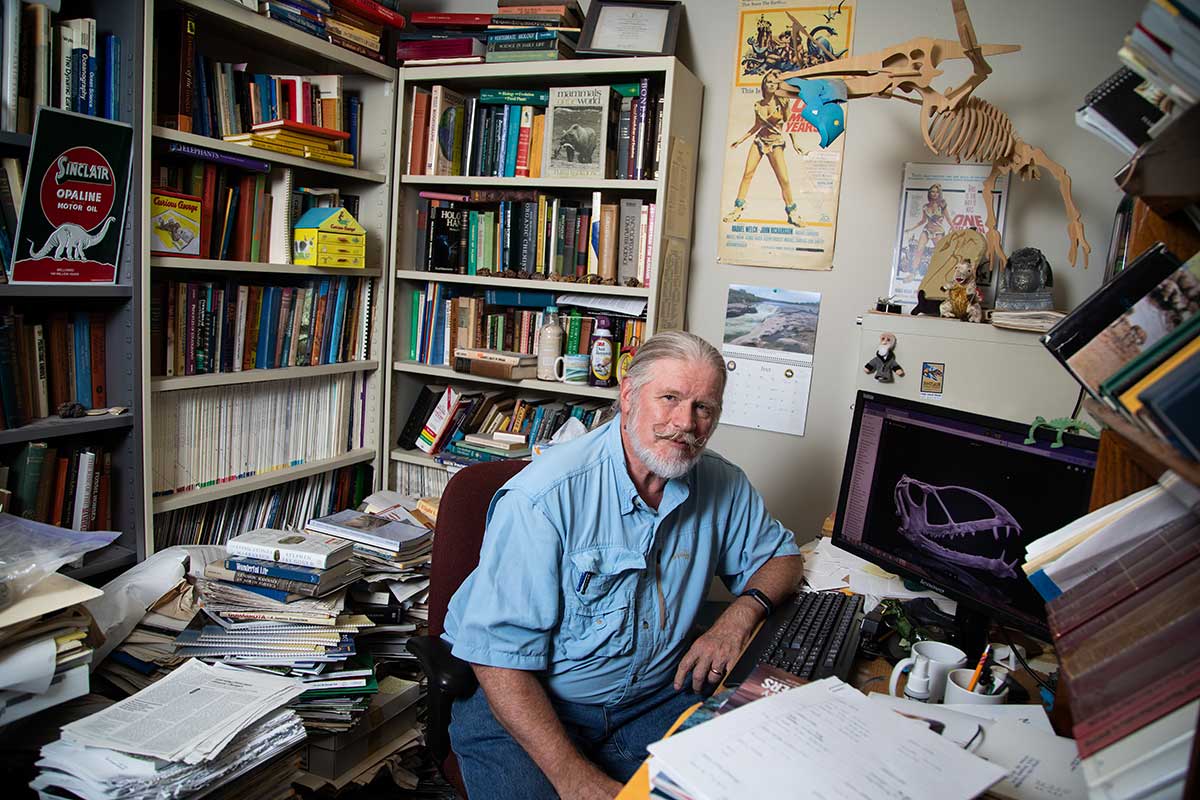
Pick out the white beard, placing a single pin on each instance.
(884, 352)
(663, 467)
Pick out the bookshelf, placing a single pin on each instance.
(121, 436)
(671, 191)
(228, 32)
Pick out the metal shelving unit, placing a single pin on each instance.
(229, 32)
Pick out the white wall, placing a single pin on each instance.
(1068, 48)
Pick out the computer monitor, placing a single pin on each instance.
(952, 499)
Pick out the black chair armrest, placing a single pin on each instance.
(446, 671)
(449, 678)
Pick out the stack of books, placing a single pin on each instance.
(384, 541)
(1125, 638)
(286, 566)
(525, 32)
(298, 139)
(361, 26)
(440, 38)
(1164, 48)
(495, 363)
(1134, 346)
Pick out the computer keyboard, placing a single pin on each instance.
(813, 636)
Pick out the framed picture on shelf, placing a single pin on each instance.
(630, 28)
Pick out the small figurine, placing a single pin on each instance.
(884, 364)
(1060, 425)
(963, 298)
(1026, 282)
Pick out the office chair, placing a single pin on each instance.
(462, 514)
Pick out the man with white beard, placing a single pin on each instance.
(596, 559)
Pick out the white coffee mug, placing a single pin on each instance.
(958, 680)
(572, 368)
(1006, 655)
(942, 658)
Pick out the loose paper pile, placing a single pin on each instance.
(43, 653)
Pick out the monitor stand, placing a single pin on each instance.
(973, 628)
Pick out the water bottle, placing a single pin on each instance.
(550, 342)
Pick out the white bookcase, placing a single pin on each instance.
(226, 31)
(672, 193)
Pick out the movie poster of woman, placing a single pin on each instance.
(779, 193)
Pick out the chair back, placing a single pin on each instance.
(462, 516)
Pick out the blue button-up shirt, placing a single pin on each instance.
(581, 581)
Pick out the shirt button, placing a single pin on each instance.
(633, 679)
(645, 625)
(599, 622)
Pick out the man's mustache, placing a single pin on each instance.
(674, 434)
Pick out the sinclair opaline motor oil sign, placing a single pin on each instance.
(73, 208)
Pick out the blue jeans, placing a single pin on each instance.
(495, 766)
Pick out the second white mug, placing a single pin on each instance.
(942, 658)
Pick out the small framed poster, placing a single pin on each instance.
(621, 28)
(72, 215)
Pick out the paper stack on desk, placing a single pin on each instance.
(821, 740)
(198, 728)
(44, 655)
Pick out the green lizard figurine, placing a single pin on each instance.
(1061, 425)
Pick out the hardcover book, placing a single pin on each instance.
(290, 547)
(576, 132)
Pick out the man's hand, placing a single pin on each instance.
(718, 649)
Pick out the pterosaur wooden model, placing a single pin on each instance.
(954, 124)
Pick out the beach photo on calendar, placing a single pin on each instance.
(772, 319)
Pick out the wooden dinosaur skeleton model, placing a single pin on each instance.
(954, 124)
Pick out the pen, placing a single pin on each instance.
(583, 582)
(979, 668)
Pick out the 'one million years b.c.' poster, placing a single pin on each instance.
(779, 190)
(73, 210)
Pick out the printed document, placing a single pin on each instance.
(822, 740)
(189, 716)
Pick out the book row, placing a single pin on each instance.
(49, 360)
(206, 207)
(70, 487)
(288, 506)
(1134, 346)
(361, 26)
(198, 94)
(538, 235)
(68, 65)
(467, 426)
(442, 321)
(597, 132)
(218, 435)
(419, 480)
(203, 327)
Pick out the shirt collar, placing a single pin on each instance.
(675, 493)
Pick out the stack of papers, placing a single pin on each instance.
(826, 737)
(148, 653)
(398, 537)
(188, 716)
(827, 567)
(1062, 559)
(94, 773)
(44, 657)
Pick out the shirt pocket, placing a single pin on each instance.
(596, 618)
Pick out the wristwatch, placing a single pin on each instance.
(762, 599)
